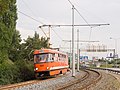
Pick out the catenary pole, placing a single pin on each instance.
(70, 56)
(78, 50)
(73, 53)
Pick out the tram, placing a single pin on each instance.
(48, 62)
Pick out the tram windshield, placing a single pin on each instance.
(41, 58)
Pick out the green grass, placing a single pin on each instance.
(108, 65)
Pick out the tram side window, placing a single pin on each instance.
(62, 57)
(51, 58)
(58, 57)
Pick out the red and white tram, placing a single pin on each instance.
(48, 62)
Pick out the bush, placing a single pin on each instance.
(8, 72)
(26, 69)
(18, 71)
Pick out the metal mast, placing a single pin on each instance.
(78, 50)
(73, 53)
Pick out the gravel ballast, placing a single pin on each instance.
(54, 83)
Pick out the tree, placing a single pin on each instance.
(3, 6)
(14, 51)
(31, 44)
(8, 17)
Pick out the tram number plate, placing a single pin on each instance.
(41, 65)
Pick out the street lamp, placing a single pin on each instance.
(115, 54)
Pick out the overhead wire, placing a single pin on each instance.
(33, 19)
(28, 7)
(82, 18)
(52, 29)
(57, 34)
(86, 22)
(44, 32)
(30, 17)
(70, 2)
(90, 12)
(60, 42)
(78, 12)
(36, 20)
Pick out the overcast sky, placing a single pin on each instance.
(59, 12)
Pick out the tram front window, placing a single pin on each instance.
(40, 58)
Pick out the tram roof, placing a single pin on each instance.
(47, 51)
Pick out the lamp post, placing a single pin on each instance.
(115, 54)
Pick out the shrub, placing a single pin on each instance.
(26, 69)
(8, 72)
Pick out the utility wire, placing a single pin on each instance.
(70, 2)
(30, 17)
(44, 32)
(38, 22)
(33, 19)
(82, 18)
(86, 22)
(96, 16)
(28, 7)
(57, 34)
(78, 12)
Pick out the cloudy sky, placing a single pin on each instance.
(59, 12)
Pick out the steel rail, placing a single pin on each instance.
(11, 86)
(86, 87)
(93, 82)
(77, 81)
(22, 84)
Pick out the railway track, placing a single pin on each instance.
(91, 78)
(23, 84)
(83, 80)
(12, 86)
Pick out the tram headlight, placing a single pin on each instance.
(47, 67)
(36, 69)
